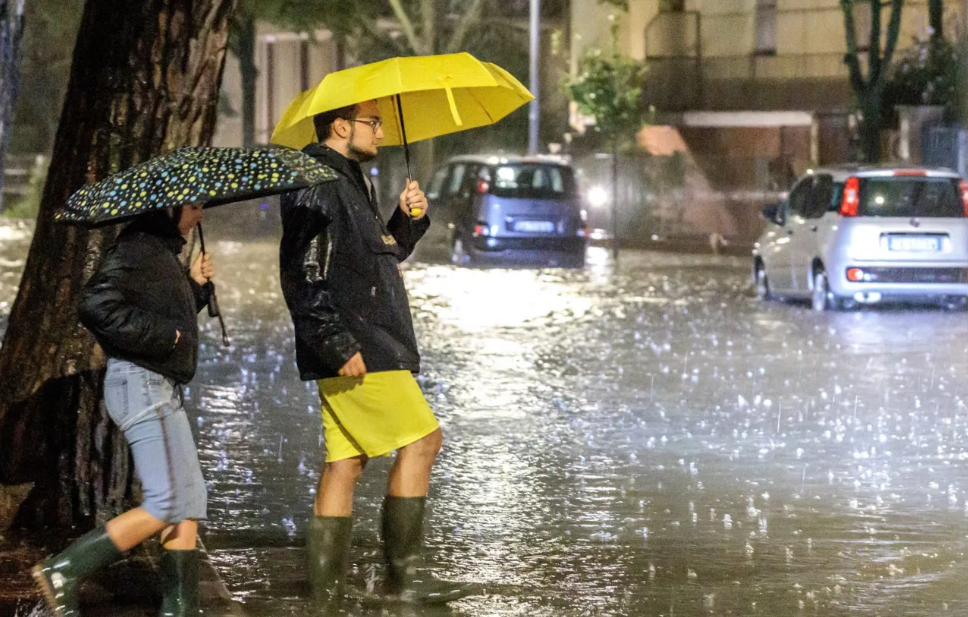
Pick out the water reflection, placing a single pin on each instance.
(643, 442)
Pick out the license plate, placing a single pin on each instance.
(534, 227)
(914, 245)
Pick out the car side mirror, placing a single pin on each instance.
(774, 213)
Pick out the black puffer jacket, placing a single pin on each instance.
(138, 298)
(340, 274)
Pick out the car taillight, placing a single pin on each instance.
(964, 195)
(583, 230)
(483, 187)
(851, 200)
(481, 229)
(855, 275)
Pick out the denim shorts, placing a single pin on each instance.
(147, 407)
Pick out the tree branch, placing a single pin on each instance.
(428, 13)
(472, 17)
(893, 32)
(874, 46)
(406, 25)
(851, 58)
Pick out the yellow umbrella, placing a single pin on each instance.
(420, 97)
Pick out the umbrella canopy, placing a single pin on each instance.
(209, 176)
(420, 97)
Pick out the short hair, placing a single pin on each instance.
(324, 121)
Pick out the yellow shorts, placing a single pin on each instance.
(373, 417)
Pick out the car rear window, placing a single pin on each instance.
(911, 197)
(532, 181)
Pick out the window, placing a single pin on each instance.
(820, 196)
(911, 197)
(531, 181)
(766, 27)
(456, 178)
(437, 183)
(800, 197)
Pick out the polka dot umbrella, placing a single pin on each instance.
(208, 176)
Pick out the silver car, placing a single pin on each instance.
(861, 235)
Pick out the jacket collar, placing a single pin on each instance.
(172, 243)
(348, 167)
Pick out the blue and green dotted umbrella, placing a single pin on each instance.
(209, 176)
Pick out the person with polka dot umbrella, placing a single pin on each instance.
(202, 176)
(141, 304)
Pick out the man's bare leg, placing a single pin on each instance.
(410, 475)
(334, 495)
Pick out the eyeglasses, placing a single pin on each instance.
(375, 123)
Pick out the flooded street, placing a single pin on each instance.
(650, 441)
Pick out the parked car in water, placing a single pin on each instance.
(861, 235)
(508, 210)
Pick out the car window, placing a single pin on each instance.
(800, 197)
(836, 197)
(820, 196)
(905, 196)
(456, 179)
(533, 181)
(470, 180)
(437, 183)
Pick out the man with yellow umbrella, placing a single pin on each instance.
(342, 284)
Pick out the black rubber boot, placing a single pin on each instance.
(179, 583)
(408, 580)
(328, 556)
(60, 576)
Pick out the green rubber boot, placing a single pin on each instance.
(328, 556)
(60, 576)
(408, 580)
(179, 583)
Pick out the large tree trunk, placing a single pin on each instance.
(11, 54)
(145, 79)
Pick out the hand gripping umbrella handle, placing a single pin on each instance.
(213, 307)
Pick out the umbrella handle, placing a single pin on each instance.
(213, 308)
(406, 150)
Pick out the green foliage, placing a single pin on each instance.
(27, 206)
(49, 32)
(608, 88)
(926, 74)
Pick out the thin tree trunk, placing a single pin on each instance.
(246, 42)
(615, 198)
(936, 19)
(145, 79)
(11, 55)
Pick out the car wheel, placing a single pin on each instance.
(458, 254)
(762, 284)
(954, 303)
(821, 301)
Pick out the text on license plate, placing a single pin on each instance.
(914, 244)
(534, 227)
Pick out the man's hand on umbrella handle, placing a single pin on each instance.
(354, 367)
(203, 270)
(413, 201)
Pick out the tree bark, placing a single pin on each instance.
(145, 80)
(11, 54)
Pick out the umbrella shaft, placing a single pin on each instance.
(403, 135)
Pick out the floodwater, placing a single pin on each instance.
(647, 441)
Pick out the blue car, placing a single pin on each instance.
(508, 210)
